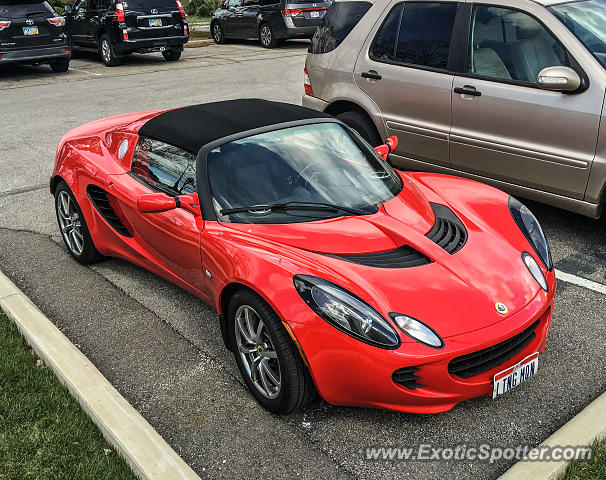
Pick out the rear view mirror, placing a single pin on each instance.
(160, 202)
(389, 146)
(559, 79)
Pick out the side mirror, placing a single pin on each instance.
(67, 9)
(389, 146)
(559, 79)
(160, 202)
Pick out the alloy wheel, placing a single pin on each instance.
(257, 351)
(265, 35)
(106, 51)
(217, 34)
(69, 221)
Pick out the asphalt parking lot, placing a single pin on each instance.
(161, 347)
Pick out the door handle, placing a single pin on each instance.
(372, 74)
(468, 91)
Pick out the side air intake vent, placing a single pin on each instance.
(403, 257)
(98, 197)
(448, 231)
(408, 377)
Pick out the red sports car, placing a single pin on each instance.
(329, 270)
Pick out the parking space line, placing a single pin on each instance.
(86, 71)
(581, 282)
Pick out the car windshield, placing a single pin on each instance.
(586, 19)
(314, 169)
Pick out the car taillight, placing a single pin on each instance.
(57, 21)
(185, 30)
(125, 34)
(67, 50)
(291, 12)
(181, 11)
(4, 24)
(307, 83)
(118, 15)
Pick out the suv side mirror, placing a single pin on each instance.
(559, 79)
(160, 202)
(389, 146)
(67, 9)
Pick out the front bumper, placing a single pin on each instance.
(35, 55)
(351, 373)
(150, 44)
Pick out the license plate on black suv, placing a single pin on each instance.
(155, 22)
(30, 31)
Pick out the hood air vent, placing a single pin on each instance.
(448, 231)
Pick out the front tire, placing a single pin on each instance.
(266, 36)
(73, 227)
(363, 125)
(267, 358)
(60, 66)
(217, 32)
(171, 55)
(106, 50)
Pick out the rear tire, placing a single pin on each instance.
(217, 32)
(281, 383)
(60, 67)
(73, 227)
(106, 50)
(363, 125)
(266, 36)
(171, 55)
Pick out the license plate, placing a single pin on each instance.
(30, 31)
(514, 376)
(314, 14)
(155, 22)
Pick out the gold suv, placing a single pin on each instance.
(510, 92)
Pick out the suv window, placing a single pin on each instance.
(339, 21)
(425, 31)
(511, 45)
(384, 45)
(234, 3)
(165, 167)
(13, 10)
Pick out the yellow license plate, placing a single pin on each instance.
(30, 31)
(155, 22)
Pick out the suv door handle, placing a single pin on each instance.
(468, 91)
(372, 74)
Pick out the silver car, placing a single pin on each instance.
(510, 92)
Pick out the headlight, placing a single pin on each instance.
(346, 312)
(531, 229)
(535, 270)
(417, 330)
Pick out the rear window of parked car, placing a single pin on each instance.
(24, 9)
(339, 21)
(416, 34)
(145, 5)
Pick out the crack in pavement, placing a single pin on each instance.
(17, 191)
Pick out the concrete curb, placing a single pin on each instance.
(583, 429)
(199, 43)
(148, 454)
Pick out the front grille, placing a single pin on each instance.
(483, 360)
(99, 199)
(408, 377)
(402, 257)
(448, 231)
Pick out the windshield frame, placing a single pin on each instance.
(203, 178)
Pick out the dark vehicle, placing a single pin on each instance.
(116, 29)
(32, 32)
(267, 20)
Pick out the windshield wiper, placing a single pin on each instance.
(276, 207)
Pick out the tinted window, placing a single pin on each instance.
(144, 5)
(511, 45)
(23, 9)
(165, 167)
(339, 21)
(384, 46)
(425, 33)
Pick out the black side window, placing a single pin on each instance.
(339, 21)
(165, 167)
(425, 34)
(384, 46)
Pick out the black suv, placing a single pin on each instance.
(32, 32)
(269, 21)
(115, 28)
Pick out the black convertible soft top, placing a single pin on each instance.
(197, 125)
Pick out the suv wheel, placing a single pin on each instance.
(217, 32)
(266, 355)
(266, 36)
(60, 66)
(363, 125)
(107, 52)
(171, 55)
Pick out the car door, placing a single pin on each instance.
(233, 20)
(172, 238)
(503, 126)
(248, 19)
(77, 23)
(405, 68)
